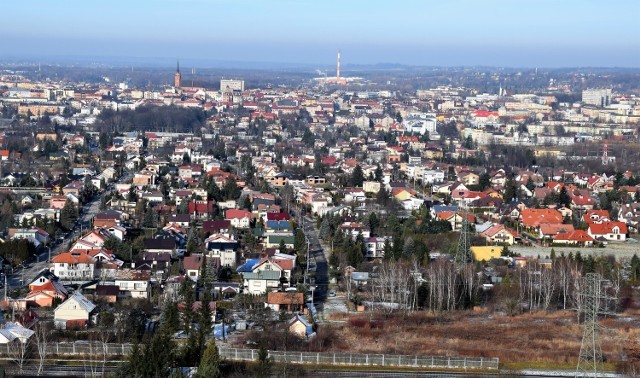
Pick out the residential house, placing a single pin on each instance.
(455, 218)
(274, 239)
(265, 276)
(192, 265)
(375, 246)
(486, 253)
(46, 288)
(75, 265)
(166, 245)
(577, 238)
(238, 218)
(608, 231)
(285, 301)
(36, 235)
(222, 247)
(132, 283)
(75, 312)
(596, 216)
(549, 231)
(532, 218)
(182, 220)
(300, 327)
(13, 332)
(217, 227)
(201, 209)
(353, 229)
(498, 234)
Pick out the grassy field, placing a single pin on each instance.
(621, 250)
(539, 340)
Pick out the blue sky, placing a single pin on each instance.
(522, 33)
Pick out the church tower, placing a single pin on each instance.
(177, 77)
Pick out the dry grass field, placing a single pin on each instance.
(538, 339)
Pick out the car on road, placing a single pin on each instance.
(332, 293)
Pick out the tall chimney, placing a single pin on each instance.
(338, 68)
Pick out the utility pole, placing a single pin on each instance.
(590, 360)
(464, 242)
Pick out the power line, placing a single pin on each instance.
(590, 361)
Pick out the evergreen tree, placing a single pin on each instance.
(149, 219)
(192, 245)
(378, 174)
(383, 196)
(530, 184)
(246, 203)
(231, 190)
(132, 196)
(484, 181)
(357, 177)
(510, 190)
(354, 255)
(387, 249)
(373, 223)
(68, 215)
(264, 363)
(563, 198)
(300, 242)
(171, 317)
(210, 364)
(409, 248)
(213, 191)
(187, 295)
(635, 268)
(325, 229)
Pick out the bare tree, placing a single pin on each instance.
(98, 353)
(42, 333)
(392, 285)
(441, 281)
(547, 286)
(19, 352)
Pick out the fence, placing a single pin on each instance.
(77, 348)
(365, 359)
(112, 349)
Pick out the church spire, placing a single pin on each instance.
(177, 78)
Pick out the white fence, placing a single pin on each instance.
(318, 358)
(77, 348)
(364, 359)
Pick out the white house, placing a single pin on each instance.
(264, 276)
(132, 283)
(432, 176)
(375, 246)
(14, 332)
(222, 247)
(75, 311)
(76, 265)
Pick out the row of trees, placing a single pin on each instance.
(158, 353)
(443, 286)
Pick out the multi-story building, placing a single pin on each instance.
(597, 97)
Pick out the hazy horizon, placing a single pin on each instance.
(457, 33)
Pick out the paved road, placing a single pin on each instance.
(89, 210)
(318, 257)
